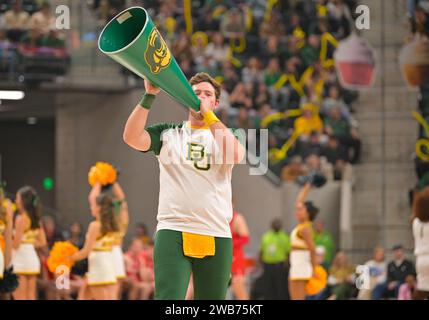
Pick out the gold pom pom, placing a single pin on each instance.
(102, 172)
(59, 254)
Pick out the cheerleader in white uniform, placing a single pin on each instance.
(100, 237)
(303, 254)
(28, 236)
(123, 220)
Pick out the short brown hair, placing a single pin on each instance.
(421, 205)
(204, 77)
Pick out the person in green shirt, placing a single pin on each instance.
(324, 238)
(275, 248)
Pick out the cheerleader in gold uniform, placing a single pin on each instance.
(100, 238)
(28, 236)
(303, 254)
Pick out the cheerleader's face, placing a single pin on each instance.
(301, 214)
(19, 202)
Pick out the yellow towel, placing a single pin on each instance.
(198, 246)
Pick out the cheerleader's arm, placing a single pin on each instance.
(123, 214)
(302, 196)
(41, 241)
(91, 237)
(20, 225)
(95, 192)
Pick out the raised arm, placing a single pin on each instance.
(135, 134)
(123, 214)
(303, 194)
(94, 193)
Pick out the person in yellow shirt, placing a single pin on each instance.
(309, 121)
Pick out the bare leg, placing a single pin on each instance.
(84, 292)
(32, 288)
(297, 289)
(239, 287)
(21, 292)
(103, 292)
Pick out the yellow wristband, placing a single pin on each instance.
(210, 118)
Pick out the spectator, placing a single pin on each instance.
(75, 235)
(337, 155)
(324, 239)
(341, 277)
(274, 26)
(334, 101)
(337, 126)
(51, 230)
(252, 73)
(310, 146)
(240, 98)
(16, 21)
(217, 50)
(279, 96)
(206, 22)
(243, 120)
(271, 50)
(32, 40)
(231, 78)
(232, 24)
(43, 19)
(134, 262)
(262, 96)
(397, 271)
(182, 46)
(314, 163)
(420, 225)
(275, 247)
(310, 52)
(292, 170)
(309, 121)
(377, 273)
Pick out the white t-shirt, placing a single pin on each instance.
(195, 193)
(421, 237)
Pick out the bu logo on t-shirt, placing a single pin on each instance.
(196, 153)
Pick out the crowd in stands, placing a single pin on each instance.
(30, 43)
(276, 69)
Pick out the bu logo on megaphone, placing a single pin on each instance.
(157, 55)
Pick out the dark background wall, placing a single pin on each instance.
(28, 155)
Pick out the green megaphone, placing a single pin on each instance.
(131, 39)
